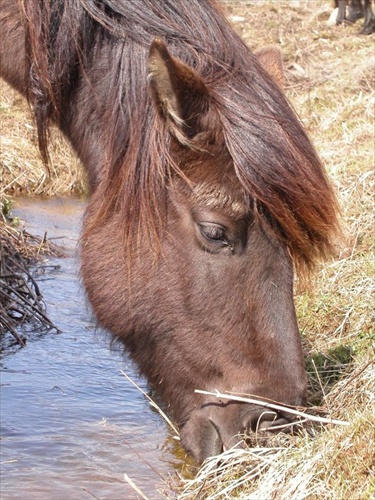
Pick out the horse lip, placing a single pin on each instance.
(277, 425)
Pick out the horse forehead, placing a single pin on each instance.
(220, 196)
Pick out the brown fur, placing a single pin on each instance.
(204, 192)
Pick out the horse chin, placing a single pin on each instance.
(212, 429)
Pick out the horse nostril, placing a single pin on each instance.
(267, 421)
(259, 419)
(277, 425)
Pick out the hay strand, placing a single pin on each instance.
(273, 406)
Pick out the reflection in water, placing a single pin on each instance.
(71, 425)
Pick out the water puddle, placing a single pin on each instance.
(71, 424)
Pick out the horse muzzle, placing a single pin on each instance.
(217, 427)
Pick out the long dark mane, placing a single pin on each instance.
(272, 156)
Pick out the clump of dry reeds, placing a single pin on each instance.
(21, 302)
(21, 169)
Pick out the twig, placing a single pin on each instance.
(8, 326)
(135, 487)
(152, 403)
(319, 380)
(89, 492)
(357, 374)
(273, 406)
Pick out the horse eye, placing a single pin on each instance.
(213, 232)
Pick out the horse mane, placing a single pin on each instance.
(271, 153)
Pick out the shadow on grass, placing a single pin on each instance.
(324, 370)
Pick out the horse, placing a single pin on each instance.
(206, 197)
(356, 10)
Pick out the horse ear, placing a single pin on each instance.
(272, 61)
(179, 93)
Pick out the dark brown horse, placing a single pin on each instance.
(356, 10)
(205, 193)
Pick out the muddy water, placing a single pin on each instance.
(71, 424)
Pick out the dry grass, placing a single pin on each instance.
(21, 169)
